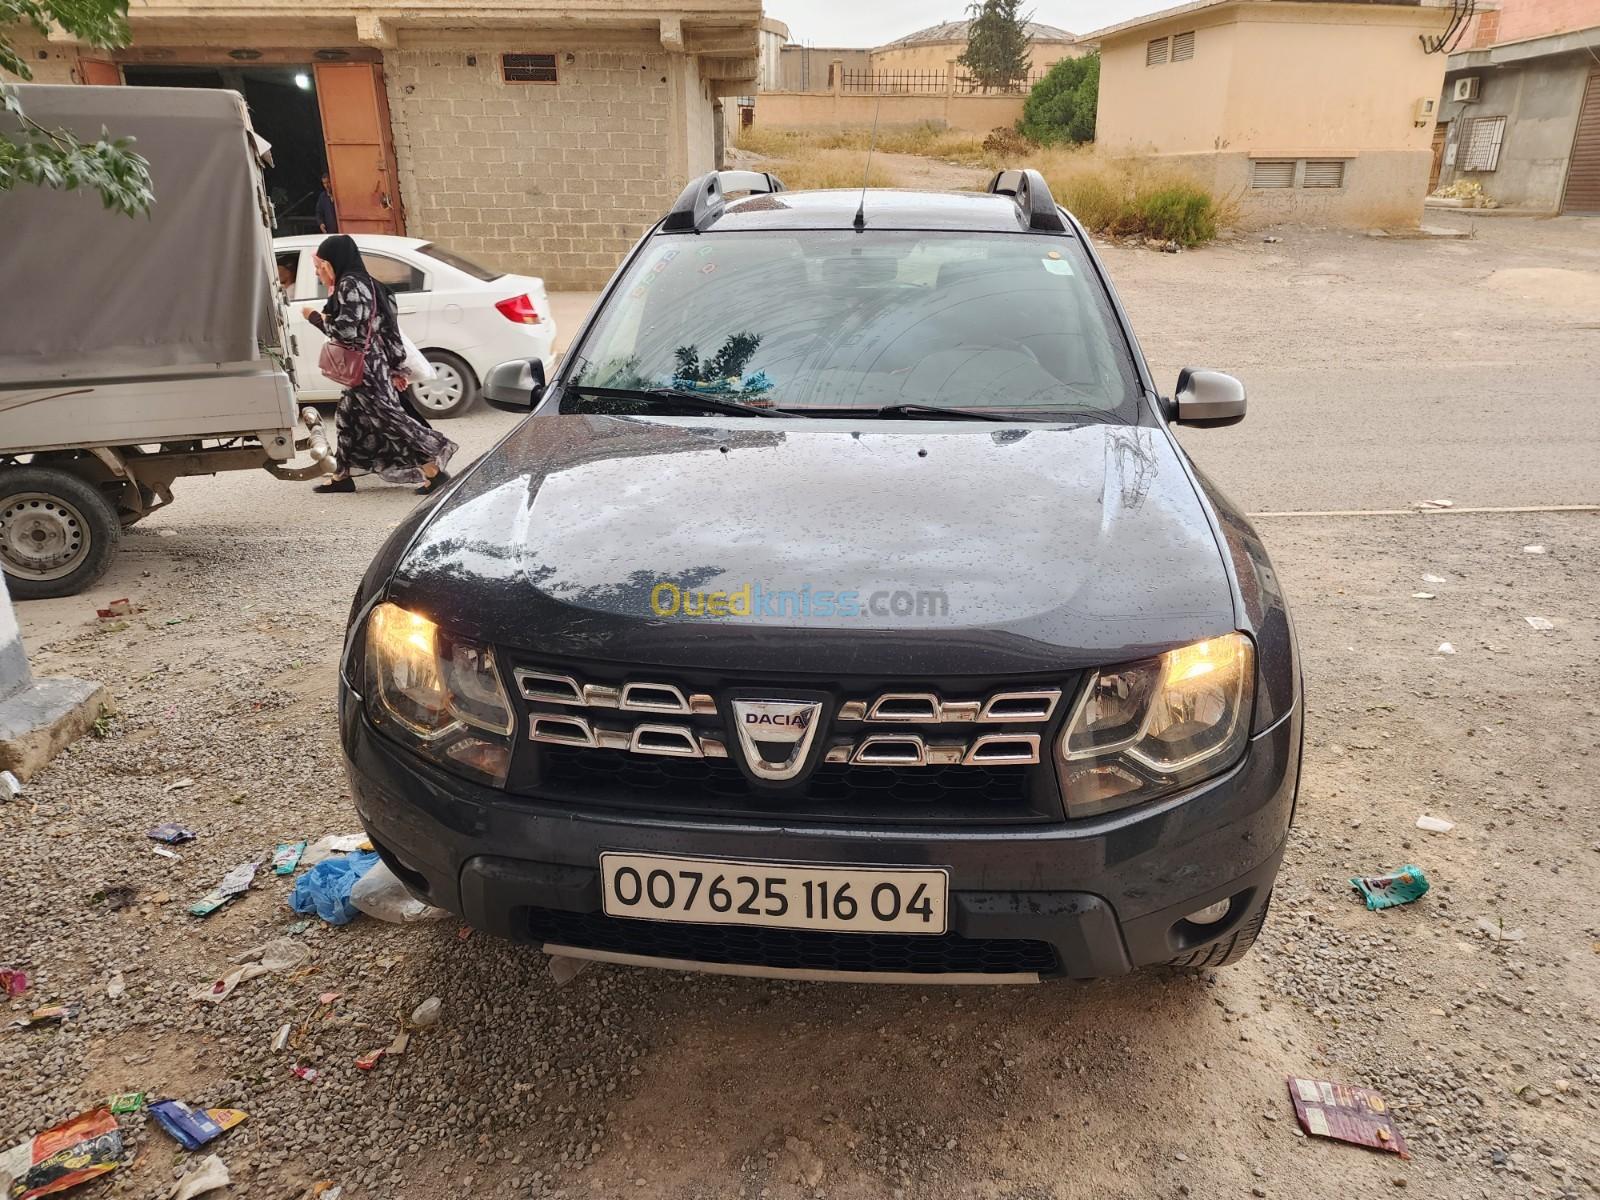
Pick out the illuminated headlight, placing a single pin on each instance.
(1148, 728)
(437, 693)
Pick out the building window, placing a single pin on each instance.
(1323, 173)
(1155, 52)
(1480, 143)
(528, 68)
(1272, 173)
(1183, 46)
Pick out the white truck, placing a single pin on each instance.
(136, 350)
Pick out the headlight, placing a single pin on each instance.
(1146, 728)
(438, 693)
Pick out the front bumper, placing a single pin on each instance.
(1105, 895)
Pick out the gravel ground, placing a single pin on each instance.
(627, 1082)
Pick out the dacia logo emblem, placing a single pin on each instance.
(775, 735)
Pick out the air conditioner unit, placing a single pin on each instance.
(1465, 90)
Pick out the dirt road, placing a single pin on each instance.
(1424, 370)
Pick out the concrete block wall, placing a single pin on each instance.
(556, 180)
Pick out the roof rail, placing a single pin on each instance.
(1036, 207)
(701, 203)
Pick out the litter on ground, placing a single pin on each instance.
(379, 893)
(1445, 648)
(325, 888)
(52, 1014)
(1398, 887)
(208, 1177)
(286, 857)
(1540, 622)
(1345, 1113)
(171, 833)
(1435, 824)
(63, 1156)
(194, 1127)
(13, 982)
(236, 882)
(1497, 931)
(280, 954)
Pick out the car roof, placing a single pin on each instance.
(371, 241)
(885, 208)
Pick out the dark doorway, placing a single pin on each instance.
(283, 109)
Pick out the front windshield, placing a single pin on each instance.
(839, 319)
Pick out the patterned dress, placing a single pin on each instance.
(376, 433)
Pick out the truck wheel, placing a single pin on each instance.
(452, 389)
(57, 532)
(1232, 948)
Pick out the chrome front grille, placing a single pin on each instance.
(904, 750)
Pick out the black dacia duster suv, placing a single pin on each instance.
(844, 609)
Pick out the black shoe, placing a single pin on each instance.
(439, 479)
(346, 484)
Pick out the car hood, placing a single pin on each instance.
(982, 549)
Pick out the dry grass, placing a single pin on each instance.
(1113, 197)
(928, 140)
(806, 169)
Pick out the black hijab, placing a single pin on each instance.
(340, 251)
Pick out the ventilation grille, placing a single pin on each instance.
(1324, 173)
(1155, 52)
(1183, 46)
(1480, 143)
(528, 68)
(1272, 173)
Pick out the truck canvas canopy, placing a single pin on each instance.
(92, 293)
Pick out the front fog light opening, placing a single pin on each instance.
(1211, 913)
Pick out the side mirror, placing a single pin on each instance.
(515, 386)
(1207, 399)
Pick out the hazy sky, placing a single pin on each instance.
(873, 22)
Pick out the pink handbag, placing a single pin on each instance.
(343, 364)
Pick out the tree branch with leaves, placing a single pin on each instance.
(33, 154)
(997, 44)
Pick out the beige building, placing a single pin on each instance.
(1319, 112)
(541, 139)
(936, 47)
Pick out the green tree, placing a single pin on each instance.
(30, 153)
(997, 44)
(1061, 106)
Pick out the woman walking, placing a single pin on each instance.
(376, 433)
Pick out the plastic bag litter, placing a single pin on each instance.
(280, 954)
(211, 1175)
(325, 848)
(63, 1156)
(325, 889)
(1398, 887)
(427, 1013)
(379, 893)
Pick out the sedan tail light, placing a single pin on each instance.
(519, 309)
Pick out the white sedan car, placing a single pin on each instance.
(463, 317)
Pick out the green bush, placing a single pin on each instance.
(1176, 212)
(1061, 106)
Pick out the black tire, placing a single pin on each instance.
(453, 391)
(1231, 948)
(57, 532)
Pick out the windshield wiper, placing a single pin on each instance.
(673, 396)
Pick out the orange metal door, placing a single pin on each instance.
(355, 129)
(99, 71)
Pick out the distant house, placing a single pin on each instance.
(530, 136)
(1520, 113)
(1307, 112)
(934, 48)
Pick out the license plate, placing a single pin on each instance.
(713, 891)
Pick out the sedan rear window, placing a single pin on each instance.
(839, 319)
(465, 265)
